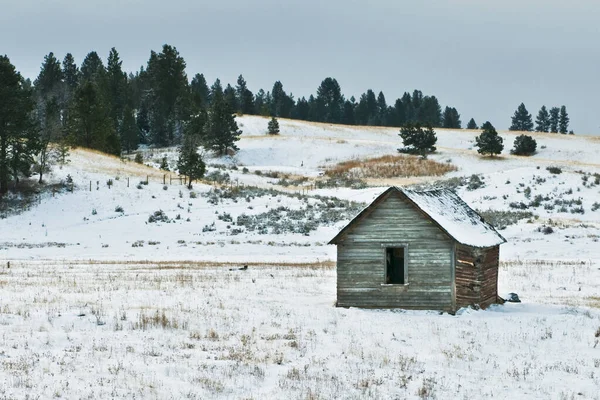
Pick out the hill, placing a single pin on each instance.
(130, 284)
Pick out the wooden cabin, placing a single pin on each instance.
(417, 250)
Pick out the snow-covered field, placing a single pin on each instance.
(99, 302)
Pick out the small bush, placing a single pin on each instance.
(475, 182)
(502, 219)
(164, 165)
(158, 216)
(193, 195)
(273, 126)
(554, 170)
(217, 176)
(209, 228)
(109, 183)
(94, 212)
(119, 209)
(139, 158)
(225, 217)
(524, 146)
(546, 230)
(595, 206)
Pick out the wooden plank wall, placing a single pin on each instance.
(361, 260)
(489, 274)
(476, 276)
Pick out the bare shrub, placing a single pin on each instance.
(158, 319)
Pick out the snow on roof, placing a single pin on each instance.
(454, 216)
(448, 211)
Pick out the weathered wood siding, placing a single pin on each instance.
(476, 276)
(429, 256)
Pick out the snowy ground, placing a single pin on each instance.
(100, 302)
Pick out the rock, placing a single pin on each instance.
(512, 298)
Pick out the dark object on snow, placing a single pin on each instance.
(512, 298)
(245, 267)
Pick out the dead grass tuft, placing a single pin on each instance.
(390, 166)
(157, 320)
(593, 301)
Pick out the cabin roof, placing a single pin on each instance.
(447, 210)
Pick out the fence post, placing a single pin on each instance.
(90, 186)
(164, 179)
(127, 181)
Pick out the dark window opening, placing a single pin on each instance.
(395, 265)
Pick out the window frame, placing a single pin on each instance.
(394, 245)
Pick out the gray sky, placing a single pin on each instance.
(482, 57)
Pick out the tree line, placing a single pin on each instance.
(556, 120)
(98, 105)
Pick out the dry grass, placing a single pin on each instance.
(173, 265)
(390, 166)
(97, 162)
(593, 301)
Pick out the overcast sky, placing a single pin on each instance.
(482, 57)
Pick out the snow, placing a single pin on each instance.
(456, 217)
(86, 314)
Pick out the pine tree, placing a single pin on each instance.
(382, 110)
(273, 126)
(245, 97)
(49, 90)
(487, 125)
(524, 146)
(301, 110)
(361, 112)
(92, 68)
(49, 81)
(563, 121)
(190, 162)
(489, 142)
(143, 123)
(168, 89)
(542, 121)
(222, 131)
(330, 101)
(554, 111)
(279, 102)
(348, 117)
(70, 72)
(451, 118)
(372, 108)
(472, 124)
(130, 133)
(397, 114)
(117, 88)
(521, 120)
(90, 123)
(17, 145)
(230, 98)
(417, 140)
(262, 104)
(50, 130)
(199, 88)
(430, 111)
(409, 109)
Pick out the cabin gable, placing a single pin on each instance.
(394, 222)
